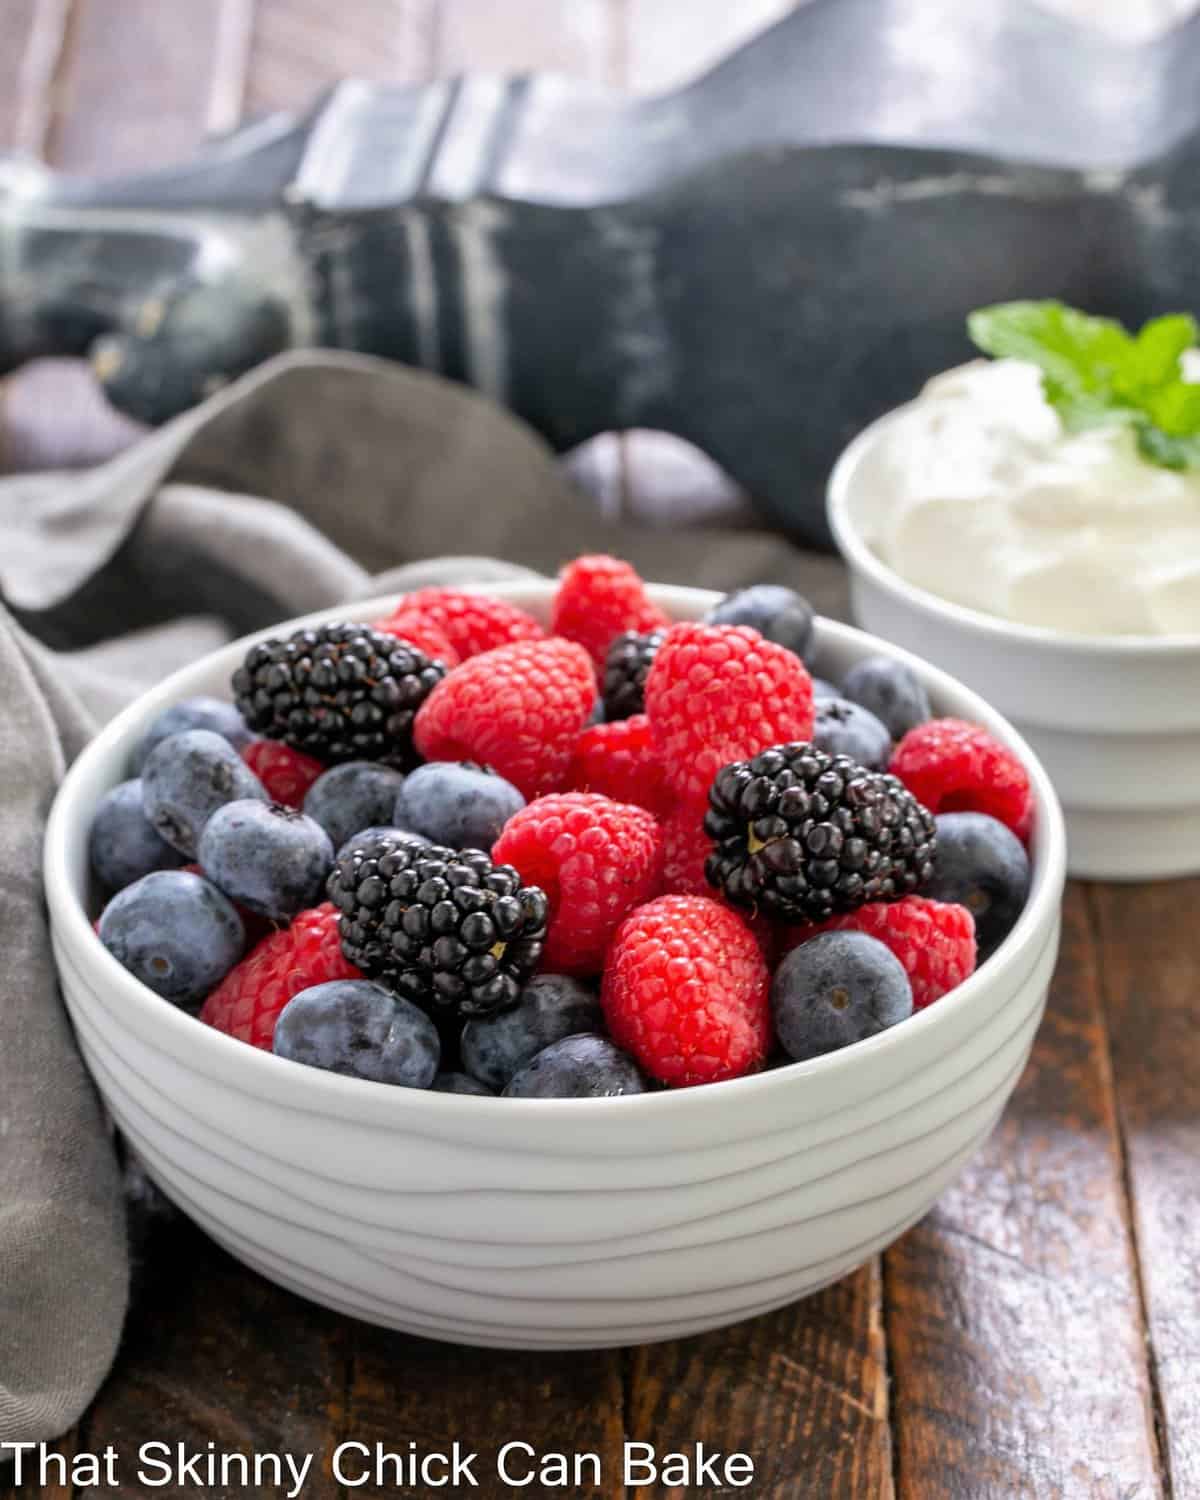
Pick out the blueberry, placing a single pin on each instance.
(844, 728)
(983, 866)
(186, 778)
(891, 691)
(551, 1007)
(354, 1027)
(459, 1083)
(781, 614)
(193, 713)
(577, 1067)
(272, 859)
(356, 795)
(366, 835)
(823, 689)
(175, 932)
(456, 803)
(122, 844)
(837, 988)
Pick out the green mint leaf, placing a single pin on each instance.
(1156, 350)
(1166, 451)
(1094, 372)
(1077, 354)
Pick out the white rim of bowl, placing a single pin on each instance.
(861, 556)
(71, 920)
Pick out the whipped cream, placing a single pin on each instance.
(976, 494)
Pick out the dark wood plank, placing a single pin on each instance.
(59, 1485)
(405, 1389)
(214, 1353)
(1149, 977)
(1014, 1327)
(136, 84)
(802, 1392)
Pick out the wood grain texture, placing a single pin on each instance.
(403, 1388)
(57, 1488)
(1147, 958)
(1014, 1326)
(213, 1353)
(135, 84)
(802, 1391)
(295, 51)
(32, 34)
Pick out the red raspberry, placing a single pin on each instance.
(620, 761)
(472, 623)
(685, 848)
(518, 709)
(686, 991)
(247, 1002)
(597, 599)
(720, 693)
(934, 940)
(953, 766)
(286, 773)
(595, 859)
(418, 630)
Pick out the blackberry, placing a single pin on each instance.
(445, 928)
(803, 834)
(338, 692)
(626, 668)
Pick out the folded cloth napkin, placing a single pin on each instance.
(316, 479)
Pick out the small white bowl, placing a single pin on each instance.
(1115, 719)
(551, 1223)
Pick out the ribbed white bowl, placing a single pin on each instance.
(550, 1223)
(1115, 719)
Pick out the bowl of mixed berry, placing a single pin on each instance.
(556, 963)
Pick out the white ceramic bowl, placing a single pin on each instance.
(1115, 719)
(550, 1223)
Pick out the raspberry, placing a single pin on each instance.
(597, 599)
(934, 940)
(686, 991)
(518, 709)
(472, 623)
(247, 1002)
(619, 761)
(685, 848)
(718, 694)
(418, 630)
(286, 774)
(596, 859)
(953, 766)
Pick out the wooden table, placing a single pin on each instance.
(1037, 1335)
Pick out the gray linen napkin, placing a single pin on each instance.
(315, 479)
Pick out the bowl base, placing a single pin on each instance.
(1132, 846)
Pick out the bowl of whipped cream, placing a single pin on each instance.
(1031, 523)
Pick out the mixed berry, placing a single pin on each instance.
(452, 850)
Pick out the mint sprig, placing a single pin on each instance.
(1095, 372)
